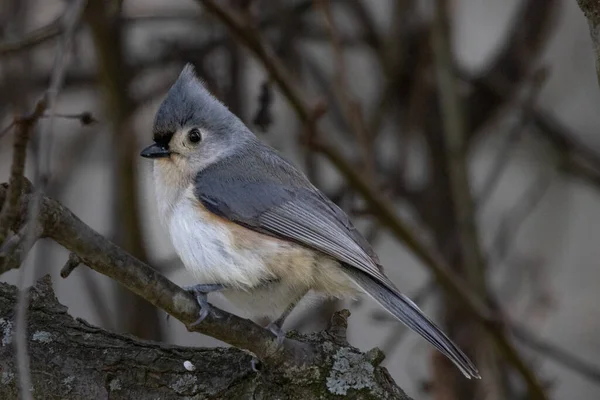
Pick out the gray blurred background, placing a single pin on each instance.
(531, 105)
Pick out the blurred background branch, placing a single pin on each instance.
(134, 314)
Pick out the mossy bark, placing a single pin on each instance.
(71, 359)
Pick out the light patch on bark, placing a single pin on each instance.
(7, 377)
(114, 385)
(6, 326)
(186, 383)
(42, 337)
(350, 371)
(67, 382)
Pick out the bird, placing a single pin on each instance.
(248, 224)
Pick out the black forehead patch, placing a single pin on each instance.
(163, 137)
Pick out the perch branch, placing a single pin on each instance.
(71, 359)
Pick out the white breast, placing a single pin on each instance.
(169, 187)
(206, 247)
(265, 274)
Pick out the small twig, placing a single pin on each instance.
(36, 37)
(24, 129)
(91, 288)
(338, 326)
(85, 118)
(72, 263)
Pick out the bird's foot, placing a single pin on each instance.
(202, 301)
(255, 363)
(200, 292)
(276, 330)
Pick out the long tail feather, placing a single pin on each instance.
(407, 312)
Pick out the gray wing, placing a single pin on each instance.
(261, 191)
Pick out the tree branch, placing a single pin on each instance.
(50, 31)
(71, 359)
(24, 126)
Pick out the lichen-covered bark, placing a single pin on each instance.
(71, 359)
(591, 10)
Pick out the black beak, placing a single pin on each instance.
(155, 151)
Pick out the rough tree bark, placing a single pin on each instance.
(71, 359)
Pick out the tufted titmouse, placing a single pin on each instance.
(246, 223)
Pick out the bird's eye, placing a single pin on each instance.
(194, 135)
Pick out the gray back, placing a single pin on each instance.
(256, 181)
